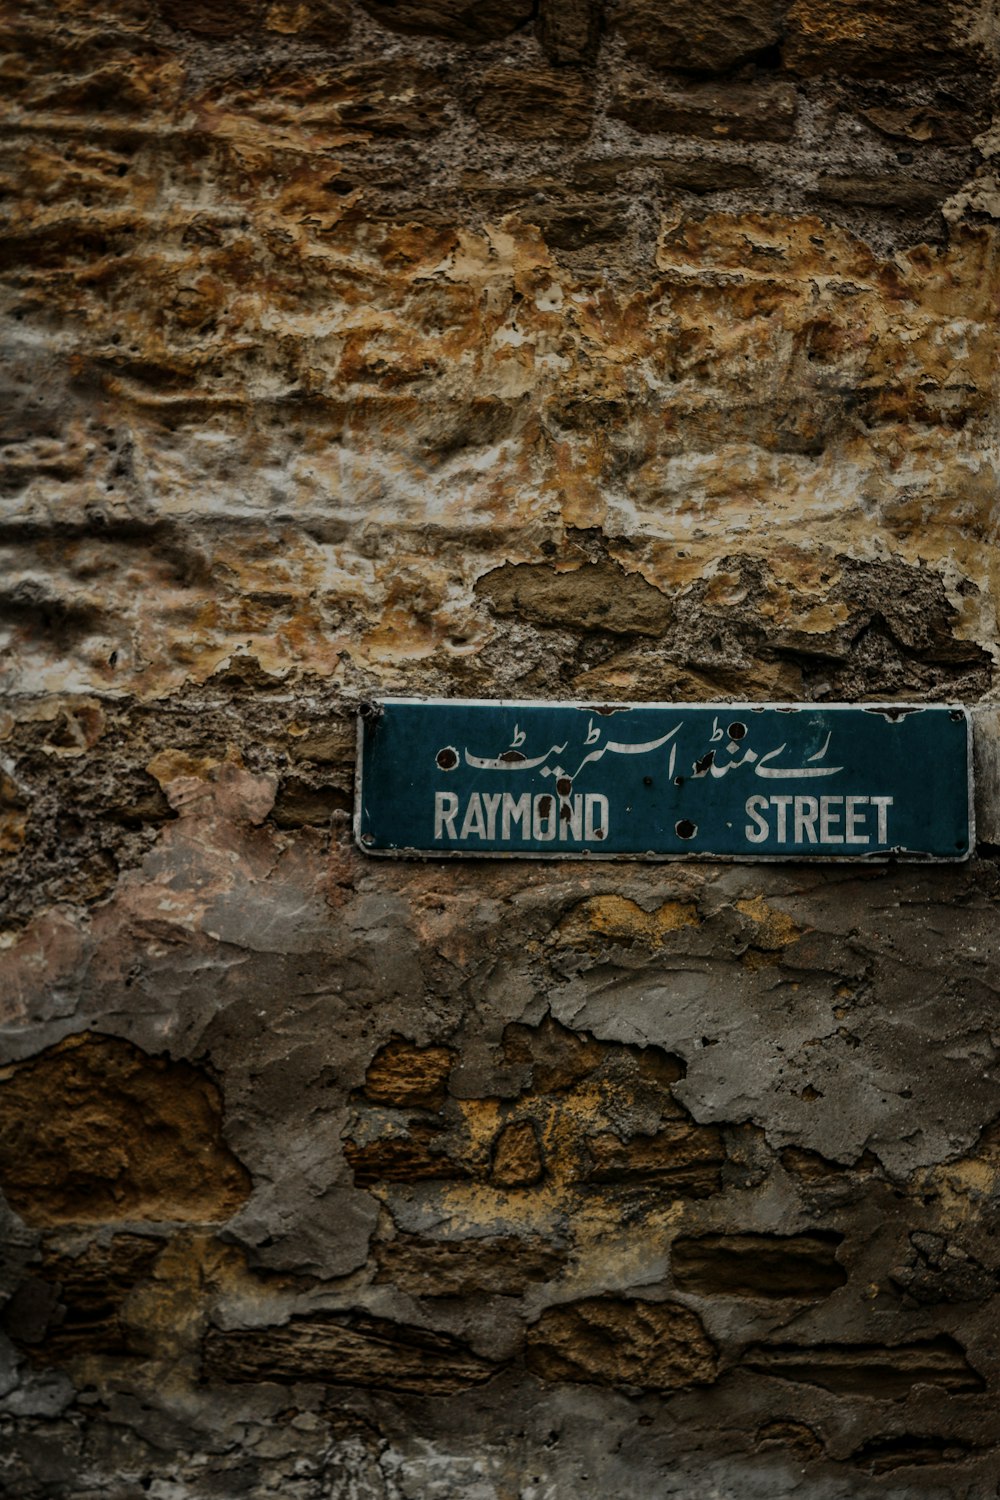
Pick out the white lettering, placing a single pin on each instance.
(491, 801)
(782, 804)
(883, 804)
(799, 820)
(595, 816)
(755, 807)
(828, 816)
(803, 814)
(445, 808)
(473, 823)
(515, 810)
(854, 819)
(806, 810)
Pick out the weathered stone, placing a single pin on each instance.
(818, 1172)
(76, 1307)
(889, 1371)
(408, 1076)
(791, 1437)
(922, 124)
(891, 38)
(572, 224)
(597, 596)
(684, 34)
(215, 20)
(417, 1156)
(471, 21)
(95, 1131)
(382, 100)
(682, 1159)
(569, 30)
(517, 1156)
(329, 744)
(935, 1271)
(301, 805)
(691, 174)
(197, 788)
(772, 929)
(358, 1350)
(557, 1057)
(717, 113)
(13, 815)
(531, 104)
(449, 1268)
(309, 20)
(912, 1450)
(650, 1345)
(211, 18)
(614, 919)
(907, 194)
(758, 1265)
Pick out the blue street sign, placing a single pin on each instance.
(664, 780)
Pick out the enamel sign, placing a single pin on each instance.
(664, 780)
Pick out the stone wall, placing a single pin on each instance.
(485, 347)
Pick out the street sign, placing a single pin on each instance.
(664, 780)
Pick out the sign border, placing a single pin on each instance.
(369, 707)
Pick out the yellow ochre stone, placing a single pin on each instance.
(619, 919)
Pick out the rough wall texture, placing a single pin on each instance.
(486, 347)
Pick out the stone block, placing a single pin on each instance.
(922, 124)
(504, 1266)
(534, 104)
(889, 39)
(597, 596)
(914, 195)
(517, 1156)
(715, 112)
(94, 1131)
(474, 22)
(409, 1077)
(573, 224)
(570, 30)
(345, 1351)
(801, 1266)
(621, 1342)
(688, 36)
(891, 1370)
(683, 1160)
(217, 20)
